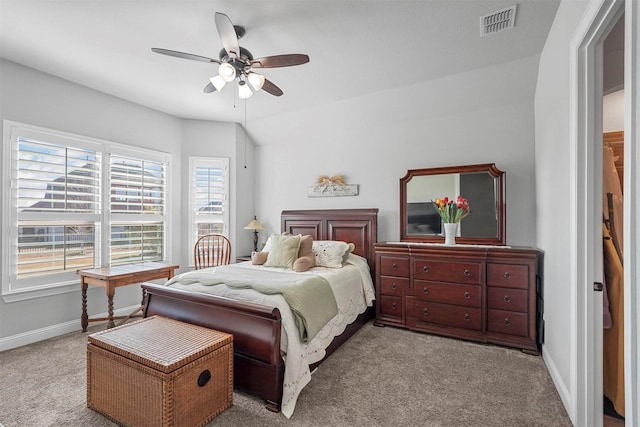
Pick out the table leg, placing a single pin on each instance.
(84, 318)
(110, 293)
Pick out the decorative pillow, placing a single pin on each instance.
(304, 263)
(329, 253)
(259, 258)
(345, 257)
(267, 245)
(306, 258)
(283, 251)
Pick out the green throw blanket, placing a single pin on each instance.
(310, 297)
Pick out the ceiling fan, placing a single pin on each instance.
(236, 62)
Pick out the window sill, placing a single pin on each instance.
(9, 296)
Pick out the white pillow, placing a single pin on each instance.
(267, 245)
(329, 253)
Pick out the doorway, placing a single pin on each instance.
(613, 226)
(587, 83)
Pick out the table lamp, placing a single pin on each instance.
(255, 225)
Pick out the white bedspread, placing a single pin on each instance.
(354, 292)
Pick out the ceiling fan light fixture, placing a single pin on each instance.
(255, 80)
(217, 82)
(227, 72)
(243, 90)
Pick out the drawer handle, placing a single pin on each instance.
(426, 290)
(394, 266)
(394, 286)
(426, 311)
(506, 275)
(507, 321)
(467, 317)
(394, 305)
(467, 272)
(507, 298)
(425, 268)
(467, 295)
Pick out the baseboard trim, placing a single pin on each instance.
(47, 332)
(561, 387)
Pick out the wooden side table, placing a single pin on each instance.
(112, 277)
(243, 258)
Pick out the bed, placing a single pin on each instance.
(259, 367)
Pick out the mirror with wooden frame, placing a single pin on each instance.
(482, 185)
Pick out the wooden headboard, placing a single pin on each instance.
(358, 226)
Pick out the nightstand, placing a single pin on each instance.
(243, 258)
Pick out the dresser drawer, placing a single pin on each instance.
(448, 293)
(507, 322)
(393, 285)
(444, 314)
(508, 275)
(507, 299)
(391, 306)
(445, 271)
(394, 266)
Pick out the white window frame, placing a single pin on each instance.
(194, 162)
(14, 289)
(139, 218)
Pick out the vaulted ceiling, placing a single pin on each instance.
(355, 47)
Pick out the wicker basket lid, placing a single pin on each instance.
(160, 343)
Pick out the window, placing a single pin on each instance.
(137, 210)
(57, 219)
(208, 189)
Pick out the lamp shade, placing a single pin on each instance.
(255, 80)
(227, 72)
(218, 82)
(243, 90)
(254, 225)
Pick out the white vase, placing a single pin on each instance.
(450, 230)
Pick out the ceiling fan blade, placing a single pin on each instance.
(209, 88)
(275, 61)
(184, 55)
(227, 34)
(269, 87)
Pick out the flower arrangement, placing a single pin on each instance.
(452, 211)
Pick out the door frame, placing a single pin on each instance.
(586, 67)
(632, 212)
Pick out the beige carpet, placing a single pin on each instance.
(381, 377)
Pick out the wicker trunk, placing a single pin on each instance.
(160, 372)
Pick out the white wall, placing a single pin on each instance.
(553, 185)
(482, 116)
(221, 139)
(35, 98)
(613, 112)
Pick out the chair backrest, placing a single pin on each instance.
(211, 250)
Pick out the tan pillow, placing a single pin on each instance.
(306, 245)
(304, 263)
(306, 258)
(283, 252)
(259, 258)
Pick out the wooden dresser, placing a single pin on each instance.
(480, 293)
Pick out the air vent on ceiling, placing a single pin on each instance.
(497, 21)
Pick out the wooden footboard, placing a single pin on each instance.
(256, 329)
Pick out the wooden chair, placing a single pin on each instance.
(211, 250)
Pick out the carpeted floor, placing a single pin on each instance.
(381, 377)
